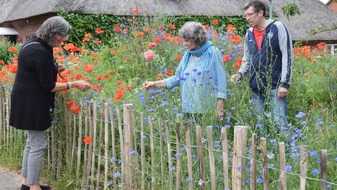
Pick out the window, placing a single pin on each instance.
(332, 48)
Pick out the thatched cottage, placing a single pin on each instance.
(21, 18)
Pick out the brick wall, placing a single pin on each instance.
(27, 27)
(333, 5)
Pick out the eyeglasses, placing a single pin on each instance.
(249, 14)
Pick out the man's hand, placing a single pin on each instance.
(282, 93)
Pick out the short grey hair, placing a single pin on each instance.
(194, 31)
(53, 26)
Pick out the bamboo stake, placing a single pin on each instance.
(265, 164)
(324, 168)
(2, 131)
(142, 145)
(106, 147)
(79, 147)
(128, 144)
(178, 158)
(74, 138)
(68, 143)
(86, 154)
(59, 153)
(253, 163)
(99, 152)
(201, 158)
(153, 179)
(113, 147)
(92, 147)
(53, 153)
(304, 166)
(189, 155)
(169, 153)
(161, 152)
(211, 157)
(224, 143)
(283, 178)
(120, 128)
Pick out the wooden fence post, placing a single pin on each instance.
(189, 154)
(224, 143)
(324, 167)
(201, 158)
(265, 164)
(304, 166)
(240, 150)
(169, 152)
(142, 149)
(211, 158)
(178, 158)
(106, 145)
(283, 179)
(152, 146)
(128, 144)
(253, 162)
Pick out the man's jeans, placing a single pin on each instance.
(271, 103)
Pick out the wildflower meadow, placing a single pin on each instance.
(146, 49)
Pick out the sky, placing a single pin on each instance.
(325, 1)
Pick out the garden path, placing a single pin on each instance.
(9, 179)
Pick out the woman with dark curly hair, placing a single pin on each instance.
(32, 98)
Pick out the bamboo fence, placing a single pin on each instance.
(130, 151)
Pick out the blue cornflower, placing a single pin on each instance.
(133, 152)
(288, 168)
(117, 174)
(336, 159)
(319, 122)
(189, 180)
(315, 172)
(259, 180)
(179, 115)
(303, 123)
(300, 115)
(227, 126)
(151, 110)
(177, 155)
(313, 154)
(172, 168)
(113, 159)
(143, 137)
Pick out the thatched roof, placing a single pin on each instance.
(314, 13)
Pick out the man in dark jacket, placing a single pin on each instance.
(268, 58)
(32, 98)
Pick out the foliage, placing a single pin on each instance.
(112, 60)
(83, 24)
(7, 50)
(291, 9)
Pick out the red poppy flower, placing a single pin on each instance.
(12, 49)
(99, 31)
(135, 11)
(69, 103)
(75, 109)
(87, 140)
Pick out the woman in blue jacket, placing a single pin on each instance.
(200, 74)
